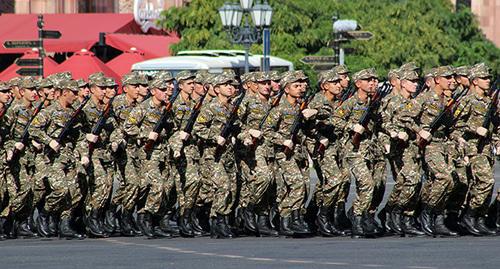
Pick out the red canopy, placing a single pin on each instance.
(153, 46)
(84, 63)
(49, 65)
(123, 63)
(79, 31)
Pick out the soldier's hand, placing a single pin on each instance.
(37, 145)
(114, 146)
(221, 140)
(153, 136)
(54, 145)
(324, 142)
(309, 112)
(466, 160)
(247, 142)
(9, 156)
(19, 146)
(403, 136)
(358, 128)
(393, 134)
(482, 131)
(288, 143)
(425, 135)
(85, 161)
(255, 133)
(91, 138)
(184, 136)
(497, 150)
(177, 154)
(387, 148)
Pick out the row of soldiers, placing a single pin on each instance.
(220, 154)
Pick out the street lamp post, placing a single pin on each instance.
(232, 14)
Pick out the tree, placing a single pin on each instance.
(428, 32)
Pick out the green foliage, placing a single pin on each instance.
(428, 32)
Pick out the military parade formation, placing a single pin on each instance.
(261, 154)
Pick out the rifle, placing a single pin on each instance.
(440, 118)
(25, 135)
(274, 103)
(160, 124)
(347, 94)
(97, 129)
(68, 124)
(194, 113)
(228, 125)
(373, 104)
(298, 119)
(6, 107)
(422, 87)
(492, 108)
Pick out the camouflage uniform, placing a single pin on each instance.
(4, 168)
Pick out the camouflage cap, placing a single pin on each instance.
(229, 72)
(184, 75)
(463, 70)
(292, 76)
(430, 73)
(70, 84)
(201, 76)
(110, 82)
(158, 83)
(46, 83)
(224, 78)
(262, 76)
(210, 78)
(480, 70)
(340, 69)
(134, 78)
(248, 77)
(165, 75)
(394, 73)
(328, 76)
(28, 83)
(408, 75)
(14, 81)
(444, 71)
(365, 74)
(95, 77)
(274, 75)
(64, 75)
(82, 83)
(4, 86)
(410, 66)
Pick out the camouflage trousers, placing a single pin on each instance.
(100, 184)
(223, 181)
(331, 190)
(4, 196)
(292, 181)
(379, 175)
(20, 188)
(361, 170)
(205, 194)
(65, 195)
(133, 190)
(157, 184)
(458, 195)
(40, 180)
(436, 191)
(187, 178)
(482, 182)
(405, 193)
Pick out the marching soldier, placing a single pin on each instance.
(5, 98)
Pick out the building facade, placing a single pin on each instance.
(488, 16)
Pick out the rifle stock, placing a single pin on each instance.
(96, 130)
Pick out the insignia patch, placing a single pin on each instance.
(201, 119)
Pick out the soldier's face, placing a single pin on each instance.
(187, 86)
(409, 85)
(265, 88)
(110, 92)
(170, 88)
(131, 91)
(49, 93)
(98, 92)
(199, 89)
(483, 83)
(463, 80)
(226, 90)
(445, 82)
(368, 85)
(295, 89)
(160, 94)
(29, 95)
(275, 86)
(15, 92)
(69, 96)
(5, 97)
(344, 80)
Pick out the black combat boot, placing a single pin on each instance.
(166, 227)
(42, 223)
(195, 223)
(185, 227)
(322, 222)
(159, 233)
(93, 225)
(440, 229)
(482, 228)
(369, 227)
(357, 227)
(23, 229)
(469, 222)
(53, 224)
(395, 220)
(108, 225)
(126, 223)
(220, 229)
(3, 236)
(385, 218)
(297, 225)
(144, 223)
(408, 228)
(248, 216)
(65, 230)
(341, 221)
(426, 220)
(264, 226)
(285, 226)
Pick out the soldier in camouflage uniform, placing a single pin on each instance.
(154, 186)
(290, 153)
(219, 152)
(62, 175)
(5, 97)
(14, 87)
(21, 155)
(361, 159)
(479, 140)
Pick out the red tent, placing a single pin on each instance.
(84, 63)
(123, 63)
(153, 46)
(78, 31)
(49, 65)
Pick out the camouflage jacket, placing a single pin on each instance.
(102, 147)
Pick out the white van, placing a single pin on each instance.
(215, 61)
